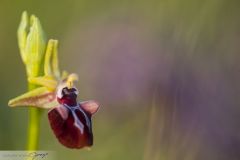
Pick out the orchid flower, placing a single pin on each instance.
(55, 91)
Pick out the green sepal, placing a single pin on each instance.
(22, 35)
(40, 97)
(47, 81)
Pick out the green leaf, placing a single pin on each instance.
(40, 97)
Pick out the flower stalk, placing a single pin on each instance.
(32, 45)
(33, 125)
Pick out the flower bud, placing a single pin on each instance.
(32, 44)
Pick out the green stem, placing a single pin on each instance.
(33, 126)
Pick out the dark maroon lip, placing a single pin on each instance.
(71, 121)
(75, 131)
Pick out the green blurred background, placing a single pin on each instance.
(166, 73)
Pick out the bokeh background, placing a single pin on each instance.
(166, 73)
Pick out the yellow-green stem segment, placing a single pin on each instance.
(34, 125)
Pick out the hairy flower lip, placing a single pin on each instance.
(72, 125)
(71, 121)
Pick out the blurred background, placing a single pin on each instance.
(166, 73)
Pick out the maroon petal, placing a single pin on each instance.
(71, 125)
